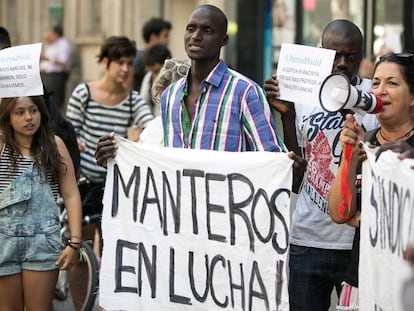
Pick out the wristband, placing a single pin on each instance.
(71, 245)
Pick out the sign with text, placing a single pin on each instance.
(301, 70)
(191, 229)
(19, 71)
(387, 226)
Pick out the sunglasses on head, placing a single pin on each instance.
(181, 68)
(401, 56)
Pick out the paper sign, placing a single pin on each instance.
(387, 226)
(19, 71)
(301, 71)
(188, 229)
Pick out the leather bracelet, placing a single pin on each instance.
(71, 242)
(73, 246)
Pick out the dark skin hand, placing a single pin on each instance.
(271, 87)
(400, 146)
(299, 162)
(409, 253)
(299, 168)
(105, 149)
(288, 115)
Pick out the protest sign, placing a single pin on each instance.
(387, 225)
(301, 70)
(191, 229)
(19, 71)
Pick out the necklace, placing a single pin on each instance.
(389, 140)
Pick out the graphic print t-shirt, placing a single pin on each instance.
(318, 133)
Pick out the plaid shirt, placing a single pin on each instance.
(231, 114)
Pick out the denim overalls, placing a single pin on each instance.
(29, 224)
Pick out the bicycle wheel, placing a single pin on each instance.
(84, 287)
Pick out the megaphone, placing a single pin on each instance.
(337, 93)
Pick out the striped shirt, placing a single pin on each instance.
(231, 114)
(92, 120)
(7, 176)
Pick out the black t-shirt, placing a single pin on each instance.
(139, 70)
(351, 275)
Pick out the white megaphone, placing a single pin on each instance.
(337, 93)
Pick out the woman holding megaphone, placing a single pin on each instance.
(393, 83)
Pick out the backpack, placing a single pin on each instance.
(133, 132)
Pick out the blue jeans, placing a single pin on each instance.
(313, 273)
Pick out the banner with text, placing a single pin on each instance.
(19, 71)
(301, 70)
(387, 226)
(195, 230)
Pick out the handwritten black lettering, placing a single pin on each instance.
(213, 208)
(391, 204)
(193, 174)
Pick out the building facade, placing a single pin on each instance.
(256, 28)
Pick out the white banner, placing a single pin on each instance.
(19, 71)
(387, 225)
(195, 230)
(301, 70)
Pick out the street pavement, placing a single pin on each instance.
(68, 306)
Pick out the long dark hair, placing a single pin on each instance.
(44, 149)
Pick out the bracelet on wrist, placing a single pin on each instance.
(73, 246)
(77, 244)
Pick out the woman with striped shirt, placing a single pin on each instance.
(97, 108)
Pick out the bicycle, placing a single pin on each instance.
(87, 255)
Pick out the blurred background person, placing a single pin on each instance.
(366, 68)
(95, 109)
(4, 38)
(153, 59)
(155, 30)
(55, 65)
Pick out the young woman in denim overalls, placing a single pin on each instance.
(35, 167)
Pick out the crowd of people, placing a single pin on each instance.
(149, 96)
